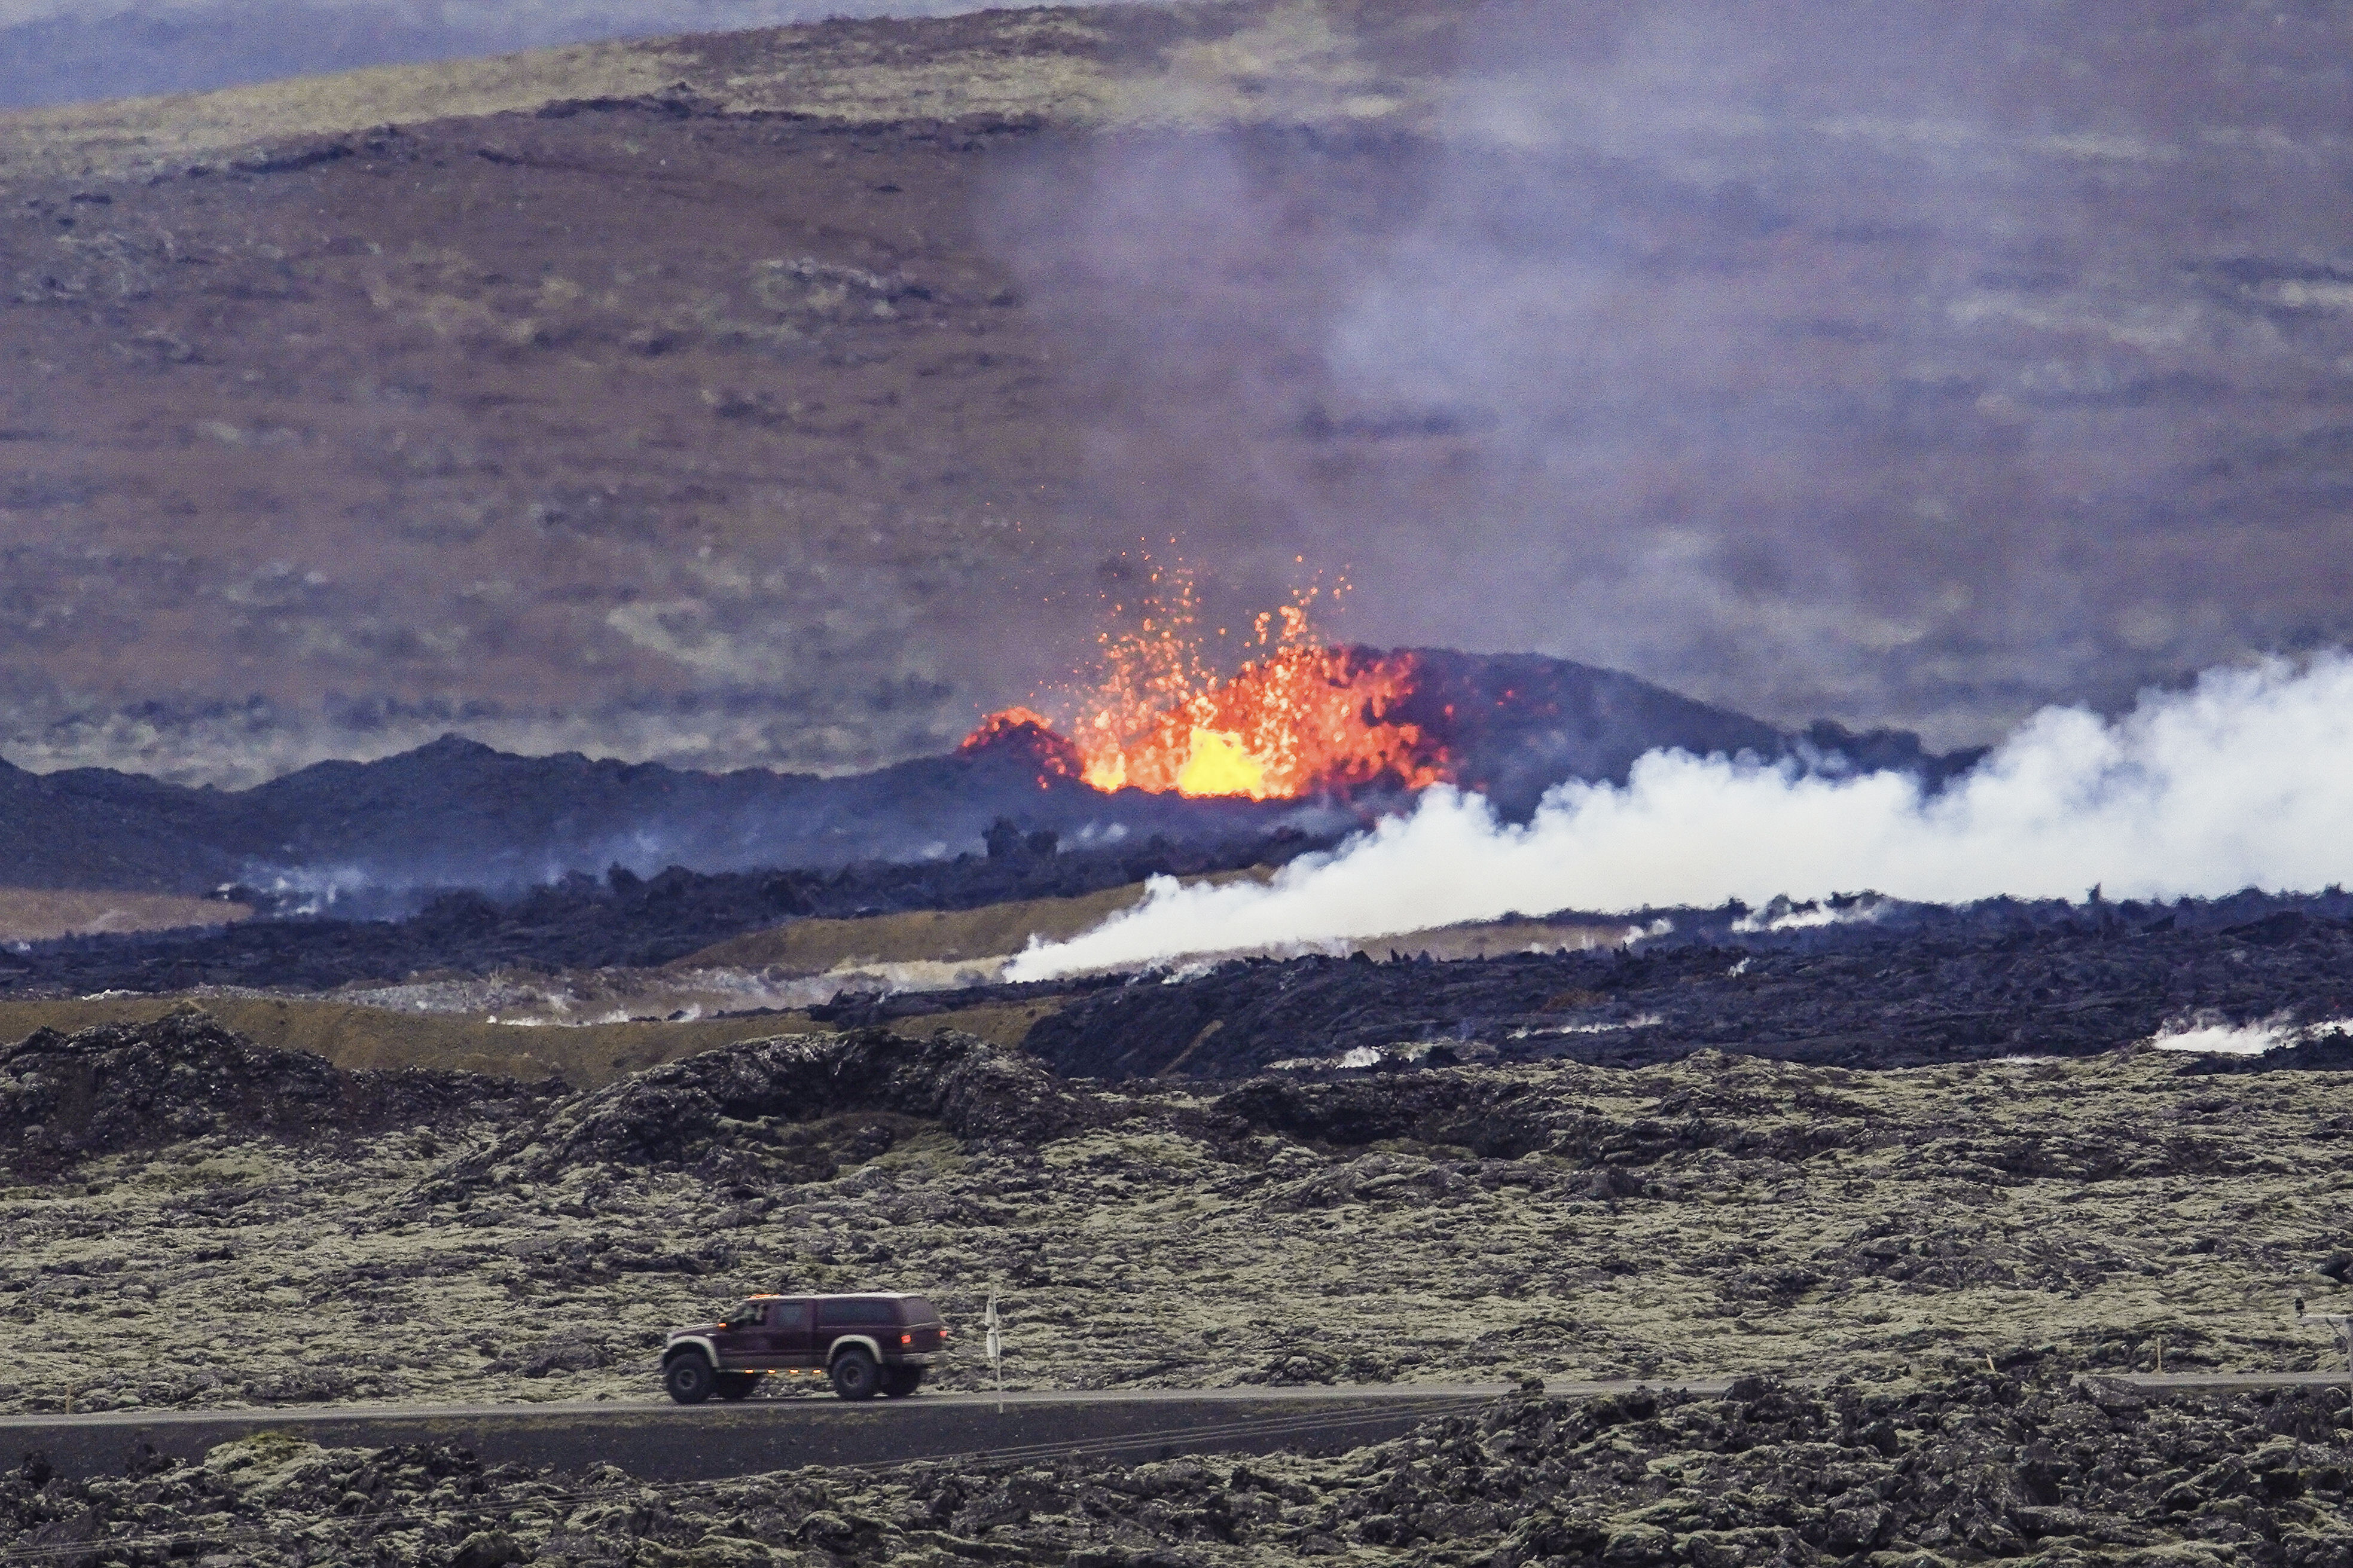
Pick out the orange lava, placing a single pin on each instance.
(1301, 718)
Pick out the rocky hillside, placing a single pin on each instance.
(1719, 1214)
(456, 814)
(119, 1088)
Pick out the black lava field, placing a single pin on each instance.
(622, 919)
(2019, 1469)
(1929, 985)
(1889, 986)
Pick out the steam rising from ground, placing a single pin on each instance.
(2238, 781)
(2213, 1035)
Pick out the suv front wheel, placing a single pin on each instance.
(855, 1375)
(689, 1378)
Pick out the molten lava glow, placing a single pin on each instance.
(1301, 717)
(1216, 763)
(1302, 720)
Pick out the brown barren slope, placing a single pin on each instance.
(370, 1037)
(1199, 65)
(782, 397)
(586, 1056)
(34, 914)
(815, 946)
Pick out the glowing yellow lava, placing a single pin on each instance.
(1217, 762)
(1298, 717)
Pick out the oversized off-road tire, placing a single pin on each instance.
(735, 1385)
(689, 1378)
(855, 1375)
(898, 1381)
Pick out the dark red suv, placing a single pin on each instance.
(868, 1345)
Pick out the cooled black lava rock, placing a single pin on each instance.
(1931, 986)
(583, 921)
(732, 1106)
(1495, 1119)
(1977, 1467)
(1516, 724)
(118, 1087)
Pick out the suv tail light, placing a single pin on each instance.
(906, 1339)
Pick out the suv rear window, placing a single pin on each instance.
(857, 1311)
(915, 1309)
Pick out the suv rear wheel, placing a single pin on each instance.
(689, 1378)
(855, 1375)
(898, 1381)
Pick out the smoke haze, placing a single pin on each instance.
(1890, 363)
(2237, 782)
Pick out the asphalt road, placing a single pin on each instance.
(661, 1441)
(658, 1441)
(2227, 1381)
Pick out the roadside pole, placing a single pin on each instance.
(996, 1352)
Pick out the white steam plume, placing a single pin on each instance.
(2246, 779)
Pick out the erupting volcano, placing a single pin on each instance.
(1300, 716)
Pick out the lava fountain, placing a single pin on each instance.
(1300, 716)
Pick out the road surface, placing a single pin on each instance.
(660, 1441)
(2226, 1382)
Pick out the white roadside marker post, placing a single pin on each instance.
(996, 1352)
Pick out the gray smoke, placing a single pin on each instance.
(1887, 362)
(2237, 782)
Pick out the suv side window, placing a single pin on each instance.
(857, 1312)
(788, 1315)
